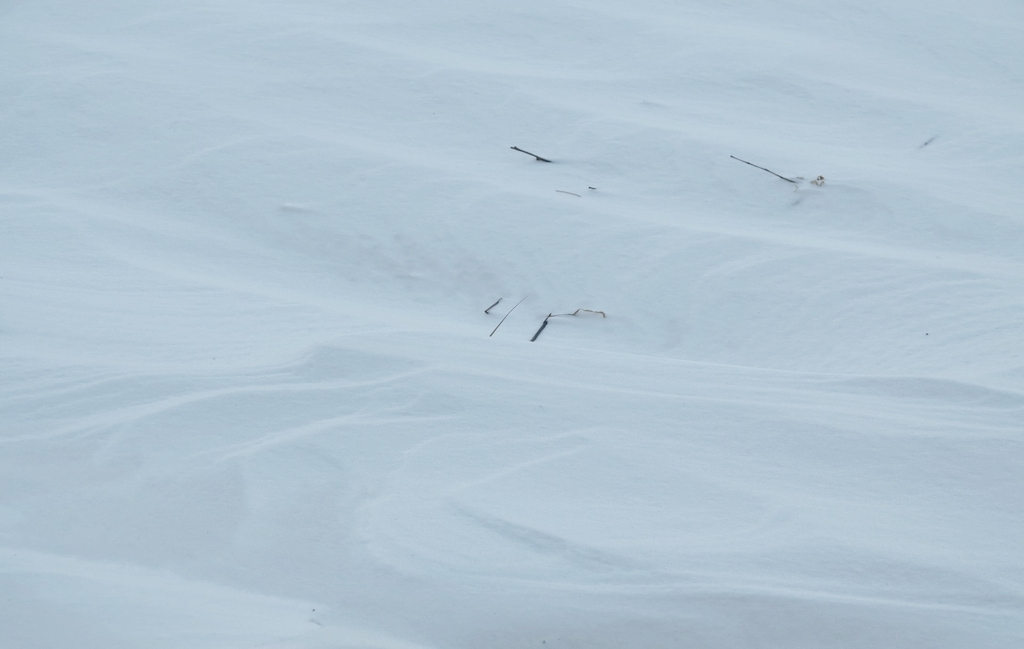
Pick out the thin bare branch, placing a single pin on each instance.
(788, 180)
(507, 315)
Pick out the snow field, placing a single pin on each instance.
(249, 398)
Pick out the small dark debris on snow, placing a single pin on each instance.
(542, 325)
(539, 159)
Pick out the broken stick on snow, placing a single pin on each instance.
(542, 325)
(555, 315)
(533, 154)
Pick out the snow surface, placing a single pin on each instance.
(248, 395)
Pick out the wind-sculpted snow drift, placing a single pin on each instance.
(249, 397)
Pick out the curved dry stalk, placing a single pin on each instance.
(507, 315)
(577, 311)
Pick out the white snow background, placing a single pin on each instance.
(248, 397)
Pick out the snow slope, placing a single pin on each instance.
(249, 398)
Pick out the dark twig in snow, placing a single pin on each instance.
(488, 309)
(533, 154)
(555, 315)
(542, 325)
(928, 142)
(507, 315)
(565, 192)
(788, 180)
